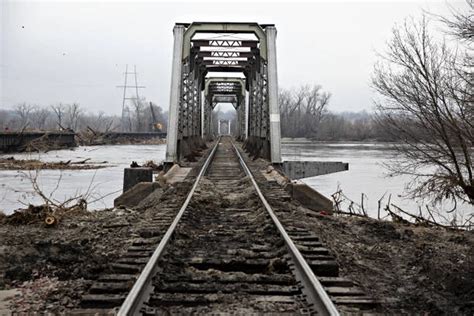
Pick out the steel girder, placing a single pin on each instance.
(190, 104)
(224, 27)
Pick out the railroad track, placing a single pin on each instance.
(226, 251)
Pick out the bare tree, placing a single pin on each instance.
(59, 111)
(316, 103)
(138, 106)
(23, 111)
(427, 103)
(61, 115)
(40, 117)
(460, 23)
(100, 122)
(4, 117)
(74, 113)
(302, 110)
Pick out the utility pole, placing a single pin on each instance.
(125, 87)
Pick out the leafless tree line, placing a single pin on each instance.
(304, 113)
(350, 126)
(73, 117)
(140, 115)
(301, 110)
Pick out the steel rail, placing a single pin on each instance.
(142, 287)
(315, 293)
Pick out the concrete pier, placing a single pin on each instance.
(133, 176)
(304, 169)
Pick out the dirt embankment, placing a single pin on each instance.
(416, 270)
(413, 269)
(53, 266)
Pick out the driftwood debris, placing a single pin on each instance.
(11, 163)
(394, 212)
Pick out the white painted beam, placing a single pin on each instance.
(274, 111)
(175, 93)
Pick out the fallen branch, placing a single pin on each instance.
(395, 217)
(353, 208)
(52, 210)
(425, 220)
(379, 205)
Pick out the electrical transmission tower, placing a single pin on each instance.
(125, 87)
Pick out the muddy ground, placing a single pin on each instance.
(414, 269)
(53, 266)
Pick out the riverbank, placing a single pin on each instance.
(51, 267)
(92, 138)
(413, 269)
(36, 141)
(369, 179)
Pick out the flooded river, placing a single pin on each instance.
(366, 174)
(102, 185)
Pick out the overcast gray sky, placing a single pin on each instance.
(58, 51)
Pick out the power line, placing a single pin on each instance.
(125, 87)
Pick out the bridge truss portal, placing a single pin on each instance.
(224, 63)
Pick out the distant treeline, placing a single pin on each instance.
(352, 126)
(304, 113)
(138, 118)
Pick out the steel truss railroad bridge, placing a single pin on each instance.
(204, 54)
